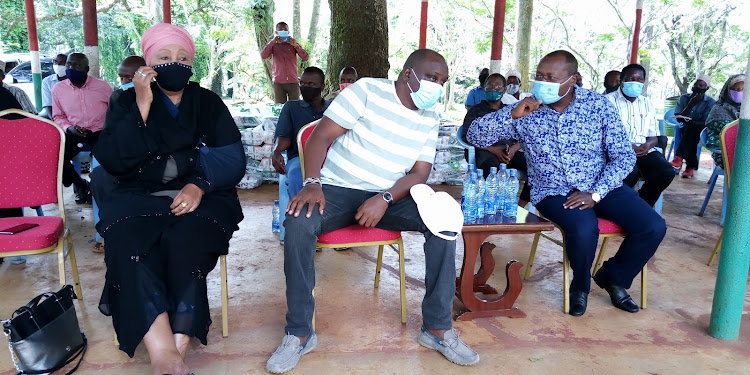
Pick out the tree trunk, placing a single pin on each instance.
(363, 21)
(262, 14)
(312, 34)
(296, 28)
(523, 40)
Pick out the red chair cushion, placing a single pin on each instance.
(46, 234)
(608, 227)
(357, 233)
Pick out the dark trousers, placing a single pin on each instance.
(341, 206)
(657, 174)
(644, 231)
(485, 160)
(72, 148)
(690, 135)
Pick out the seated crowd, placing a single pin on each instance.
(166, 222)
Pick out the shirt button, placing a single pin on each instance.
(158, 157)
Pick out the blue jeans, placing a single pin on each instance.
(644, 231)
(341, 206)
(293, 177)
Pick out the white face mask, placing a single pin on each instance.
(512, 89)
(59, 70)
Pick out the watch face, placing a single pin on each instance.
(387, 196)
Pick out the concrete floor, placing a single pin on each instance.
(359, 330)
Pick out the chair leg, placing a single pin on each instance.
(402, 277)
(644, 279)
(224, 296)
(712, 184)
(600, 258)
(717, 248)
(566, 282)
(532, 254)
(74, 267)
(379, 265)
(61, 261)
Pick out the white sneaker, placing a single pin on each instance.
(450, 346)
(288, 353)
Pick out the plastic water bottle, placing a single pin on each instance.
(490, 203)
(469, 203)
(480, 196)
(511, 197)
(467, 177)
(502, 184)
(276, 223)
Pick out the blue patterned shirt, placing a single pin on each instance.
(585, 147)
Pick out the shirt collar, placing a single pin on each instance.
(620, 96)
(85, 85)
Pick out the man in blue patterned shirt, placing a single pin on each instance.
(578, 154)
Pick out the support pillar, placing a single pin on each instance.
(91, 36)
(167, 11)
(36, 65)
(636, 32)
(423, 26)
(496, 54)
(731, 280)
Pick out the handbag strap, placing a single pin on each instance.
(80, 354)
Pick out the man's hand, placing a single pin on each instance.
(508, 153)
(187, 200)
(310, 194)
(293, 42)
(278, 162)
(76, 130)
(370, 212)
(579, 200)
(277, 39)
(641, 149)
(526, 106)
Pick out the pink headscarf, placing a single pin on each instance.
(164, 34)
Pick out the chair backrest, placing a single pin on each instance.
(670, 119)
(728, 141)
(30, 161)
(302, 137)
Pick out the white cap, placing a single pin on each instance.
(439, 211)
(704, 78)
(513, 73)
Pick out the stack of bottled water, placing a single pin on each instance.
(491, 201)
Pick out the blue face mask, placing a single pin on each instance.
(632, 89)
(428, 93)
(493, 96)
(283, 33)
(126, 86)
(547, 92)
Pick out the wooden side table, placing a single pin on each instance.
(479, 298)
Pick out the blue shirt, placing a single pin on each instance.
(700, 111)
(476, 95)
(585, 147)
(294, 115)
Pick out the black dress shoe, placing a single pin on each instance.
(578, 302)
(83, 193)
(619, 296)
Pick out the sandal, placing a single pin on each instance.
(98, 247)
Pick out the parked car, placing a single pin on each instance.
(20, 75)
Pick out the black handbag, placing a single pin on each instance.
(223, 166)
(44, 335)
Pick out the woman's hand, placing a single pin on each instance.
(142, 84)
(187, 200)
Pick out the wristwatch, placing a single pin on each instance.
(388, 198)
(596, 197)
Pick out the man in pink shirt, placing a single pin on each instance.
(79, 105)
(284, 50)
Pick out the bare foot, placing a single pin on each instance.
(168, 364)
(182, 342)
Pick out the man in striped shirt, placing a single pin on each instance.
(382, 137)
(640, 122)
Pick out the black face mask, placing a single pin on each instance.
(76, 77)
(310, 93)
(173, 76)
(697, 90)
(611, 88)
